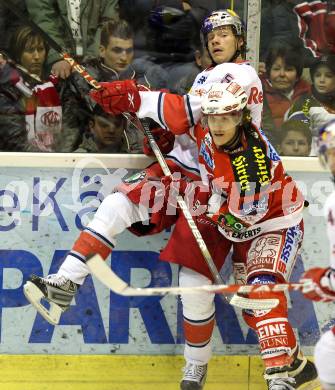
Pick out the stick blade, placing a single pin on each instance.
(104, 273)
(253, 304)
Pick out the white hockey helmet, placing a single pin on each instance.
(224, 17)
(326, 141)
(224, 98)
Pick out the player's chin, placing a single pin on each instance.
(220, 57)
(219, 140)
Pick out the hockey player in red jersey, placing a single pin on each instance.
(324, 278)
(259, 215)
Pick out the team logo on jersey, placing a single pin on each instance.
(274, 156)
(292, 239)
(240, 167)
(263, 171)
(256, 206)
(204, 152)
(252, 168)
(247, 234)
(202, 79)
(209, 142)
(136, 177)
(230, 222)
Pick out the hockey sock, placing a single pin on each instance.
(88, 243)
(198, 333)
(275, 334)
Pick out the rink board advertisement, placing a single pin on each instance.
(41, 213)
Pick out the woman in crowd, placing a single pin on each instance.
(282, 85)
(31, 98)
(43, 110)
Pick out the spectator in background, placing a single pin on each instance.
(115, 61)
(42, 109)
(201, 62)
(74, 25)
(108, 134)
(282, 85)
(295, 139)
(138, 13)
(317, 108)
(170, 34)
(303, 25)
(316, 25)
(13, 135)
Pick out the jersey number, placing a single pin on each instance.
(228, 78)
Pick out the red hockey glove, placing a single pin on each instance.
(163, 138)
(117, 97)
(321, 277)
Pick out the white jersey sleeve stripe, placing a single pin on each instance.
(189, 110)
(160, 110)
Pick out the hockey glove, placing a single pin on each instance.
(164, 139)
(323, 287)
(117, 97)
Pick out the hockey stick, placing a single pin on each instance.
(104, 273)
(145, 128)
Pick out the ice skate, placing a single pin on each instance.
(194, 377)
(300, 375)
(57, 290)
(305, 374)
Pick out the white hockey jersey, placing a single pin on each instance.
(185, 153)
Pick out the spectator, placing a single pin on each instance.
(12, 120)
(139, 12)
(317, 108)
(201, 62)
(168, 37)
(295, 139)
(282, 85)
(108, 134)
(43, 111)
(286, 22)
(74, 25)
(316, 25)
(115, 62)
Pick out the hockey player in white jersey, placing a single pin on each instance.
(324, 278)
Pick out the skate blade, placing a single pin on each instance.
(34, 296)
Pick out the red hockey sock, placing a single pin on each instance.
(90, 242)
(198, 333)
(276, 337)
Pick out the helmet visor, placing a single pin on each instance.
(223, 121)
